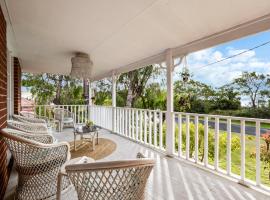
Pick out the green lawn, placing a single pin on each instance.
(250, 161)
(236, 160)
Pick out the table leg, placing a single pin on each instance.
(93, 143)
(74, 141)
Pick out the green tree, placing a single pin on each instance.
(134, 82)
(153, 97)
(58, 89)
(226, 98)
(253, 85)
(192, 96)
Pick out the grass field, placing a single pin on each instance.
(250, 171)
(250, 161)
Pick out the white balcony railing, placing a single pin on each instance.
(224, 144)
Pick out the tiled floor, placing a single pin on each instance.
(172, 179)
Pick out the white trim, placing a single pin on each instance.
(10, 84)
(11, 40)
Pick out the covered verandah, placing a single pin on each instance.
(119, 38)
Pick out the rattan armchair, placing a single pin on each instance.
(42, 138)
(64, 117)
(33, 115)
(29, 119)
(125, 179)
(28, 127)
(38, 166)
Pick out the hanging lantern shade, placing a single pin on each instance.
(81, 66)
(185, 72)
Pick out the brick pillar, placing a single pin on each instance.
(4, 172)
(17, 86)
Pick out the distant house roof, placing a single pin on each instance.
(27, 105)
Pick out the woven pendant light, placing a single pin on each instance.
(81, 66)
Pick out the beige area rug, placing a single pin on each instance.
(104, 148)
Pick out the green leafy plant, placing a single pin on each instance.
(89, 123)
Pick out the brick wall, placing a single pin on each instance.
(4, 172)
(17, 86)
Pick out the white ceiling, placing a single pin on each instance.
(119, 32)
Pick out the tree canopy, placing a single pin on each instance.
(143, 88)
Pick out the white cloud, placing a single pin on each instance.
(223, 72)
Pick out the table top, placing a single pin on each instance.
(80, 128)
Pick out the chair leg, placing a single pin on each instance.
(59, 185)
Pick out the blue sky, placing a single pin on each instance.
(222, 73)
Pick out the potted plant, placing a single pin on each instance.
(90, 126)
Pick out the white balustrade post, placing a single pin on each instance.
(114, 80)
(169, 112)
(89, 101)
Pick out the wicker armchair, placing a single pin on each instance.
(28, 127)
(29, 119)
(33, 115)
(64, 117)
(42, 138)
(113, 180)
(38, 166)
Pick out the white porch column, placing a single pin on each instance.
(89, 100)
(114, 80)
(10, 84)
(169, 113)
(90, 94)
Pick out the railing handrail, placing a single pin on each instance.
(249, 119)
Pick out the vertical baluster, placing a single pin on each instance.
(243, 150)
(196, 119)
(141, 125)
(173, 130)
(75, 111)
(123, 121)
(82, 117)
(137, 126)
(119, 120)
(160, 130)
(155, 129)
(45, 110)
(86, 114)
(126, 122)
(133, 123)
(229, 143)
(145, 127)
(79, 113)
(129, 122)
(216, 143)
(39, 111)
(150, 127)
(258, 153)
(179, 135)
(187, 136)
(205, 141)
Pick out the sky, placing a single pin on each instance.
(222, 73)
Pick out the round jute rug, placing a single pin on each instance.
(104, 148)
